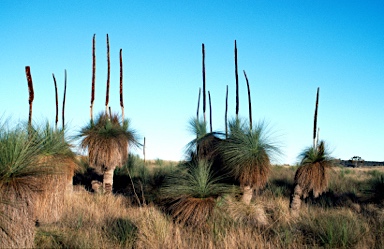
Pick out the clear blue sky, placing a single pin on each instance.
(288, 49)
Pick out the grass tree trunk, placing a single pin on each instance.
(247, 194)
(71, 166)
(296, 200)
(17, 221)
(108, 180)
(96, 186)
(50, 201)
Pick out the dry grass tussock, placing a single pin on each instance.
(99, 221)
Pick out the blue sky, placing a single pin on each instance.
(288, 49)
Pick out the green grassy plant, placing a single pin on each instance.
(334, 229)
(191, 196)
(122, 230)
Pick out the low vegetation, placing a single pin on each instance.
(160, 204)
(339, 218)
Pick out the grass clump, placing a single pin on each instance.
(334, 229)
(123, 230)
(191, 197)
(374, 189)
(46, 238)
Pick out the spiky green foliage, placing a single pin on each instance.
(107, 141)
(191, 195)
(196, 181)
(133, 166)
(22, 168)
(199, 130)
(204, 145)
(311, 176)
(20, 160)
(248, 153)
(237, 125)
(53, 141)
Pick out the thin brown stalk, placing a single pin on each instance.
(121, 86)
(315, 118)
(198, 104)
(249, 101)
(93, 75)
(226, 113)
(65, 94)
(134, 190)
(108, 76)
(57, 101)
(204, 96)
(237, 83)
(210, 111)
(31, 93)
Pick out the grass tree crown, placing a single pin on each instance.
(192, 194)
(107, 141)
(248, 152)
(311, 175)
(204, 145)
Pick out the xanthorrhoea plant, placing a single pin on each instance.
(107, 142)
(247, 153)
(311, 176)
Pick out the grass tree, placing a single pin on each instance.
(107, 142)
(55, 150)
(22, 169)
(247, 154)
(311, 177)
(191, 195)
(205, 144)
